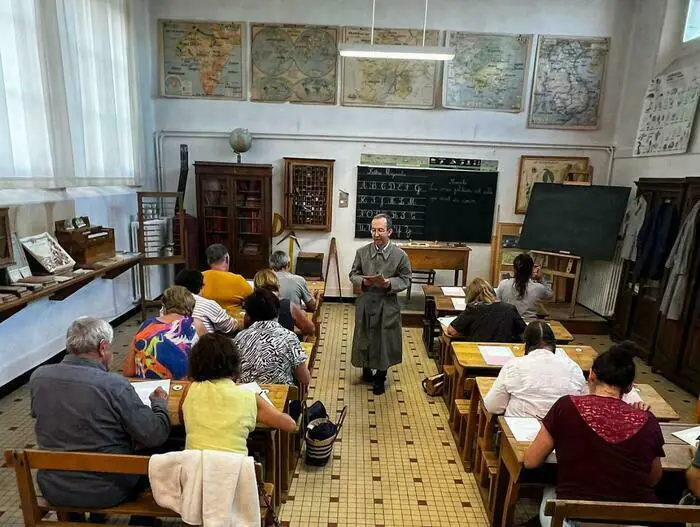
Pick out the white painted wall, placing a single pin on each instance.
(360, 127)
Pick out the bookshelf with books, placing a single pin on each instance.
(234, 208)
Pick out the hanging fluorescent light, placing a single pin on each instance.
(393, 51)
(379, 51)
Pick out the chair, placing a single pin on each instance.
(609, 511)
(420, 276)
(35, 508)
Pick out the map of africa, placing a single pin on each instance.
(389, 82)
(295, 63)
(202, 59)
(568, 84)
(487, 73)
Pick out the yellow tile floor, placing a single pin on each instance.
(395, 463)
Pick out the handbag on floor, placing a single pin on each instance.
(435, 384)
(320, 435)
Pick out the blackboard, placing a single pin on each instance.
(427, 204)
(581, 220)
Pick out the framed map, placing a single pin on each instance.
(389, 83)
(568, 85)
(489, 71)
(202, 59)
(544, 169)
(294, 63)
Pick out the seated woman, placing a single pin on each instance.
(290, 314)
(210, 313)
(606, 449)
(269, 353)
(485, 319)
(161, 346)
(526, 290)
(528, 386)
(218, 414)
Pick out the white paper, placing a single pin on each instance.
(689, 435)
(446, 321)
(256, 389)
(146, 388)
(523, 428)
(496, 355)
(459, 303)
(251, 284)
(452, 291)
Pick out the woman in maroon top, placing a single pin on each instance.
(606, 449)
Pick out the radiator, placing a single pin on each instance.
(600, 282)
(156, 277)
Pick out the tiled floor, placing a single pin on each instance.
(395, 463)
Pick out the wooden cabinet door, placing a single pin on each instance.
(624, 306)
(251, 248)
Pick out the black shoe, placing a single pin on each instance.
(367, 375)
(378, 385)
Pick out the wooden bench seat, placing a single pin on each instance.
(35, 507)
(626, 513)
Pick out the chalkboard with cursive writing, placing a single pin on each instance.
(427, 204)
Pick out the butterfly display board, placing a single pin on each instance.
(309, 193)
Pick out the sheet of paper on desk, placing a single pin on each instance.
(255, 388)
(452, 291)
(689, 435)
(251, 284)
(446, 321)
(496, 355)
(523, 428)
(146, 388)
(459, 303)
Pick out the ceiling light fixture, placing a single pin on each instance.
(394, 51)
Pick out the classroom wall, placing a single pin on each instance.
(342, 133)
(656, 34)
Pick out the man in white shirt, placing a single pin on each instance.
(209, 312)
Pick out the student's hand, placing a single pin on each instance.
(537, 273)
(641, 405)
(158, 394)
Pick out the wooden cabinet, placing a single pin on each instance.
(308, 193)
(6, 257)
(234, 208)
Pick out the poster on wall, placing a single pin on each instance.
(294, 63)
(668, 113)
(568, 86)
(202, 59)
(389, 83)
(544, 169)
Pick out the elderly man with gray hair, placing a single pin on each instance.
(80, 406)
(292, 286)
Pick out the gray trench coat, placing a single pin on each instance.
(377, 340)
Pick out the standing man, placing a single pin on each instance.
(382, 270)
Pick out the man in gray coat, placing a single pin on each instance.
(382, 270)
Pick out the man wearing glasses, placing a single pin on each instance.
(382, 270)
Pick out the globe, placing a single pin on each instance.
(240, 141)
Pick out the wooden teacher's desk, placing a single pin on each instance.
(510, 467)
(433, 256)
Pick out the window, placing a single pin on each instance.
(692, 21)
(67, 96)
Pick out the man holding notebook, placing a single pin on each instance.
(381, 270)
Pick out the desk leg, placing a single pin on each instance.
(457, 278)
(285, 455)
(472, 418)
(507, 490)
(465, 270)
(272, 465)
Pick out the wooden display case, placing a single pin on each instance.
(234, 208)
(6, 257)
(504, 249)
(308, 193)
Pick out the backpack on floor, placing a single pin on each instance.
(435, 384)
(320, 435)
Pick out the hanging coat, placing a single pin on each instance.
(377, 339)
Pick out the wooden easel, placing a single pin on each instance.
(333, 253)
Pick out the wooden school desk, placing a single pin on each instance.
(510, 466)
(275, 458)
(316, 287)
(439, 257)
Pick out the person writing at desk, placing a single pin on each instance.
(382, 270)
(526, 290)
(623, 445)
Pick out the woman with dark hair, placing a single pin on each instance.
(290, 314)
(218, 414)
(528, 386)
(270, 354)
(623, 445)
(526, 290)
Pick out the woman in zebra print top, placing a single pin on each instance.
(270, 354)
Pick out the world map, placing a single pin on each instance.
(568, 84)
(389, 82)
(202, 59)
(294, 63)
(487, 73)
